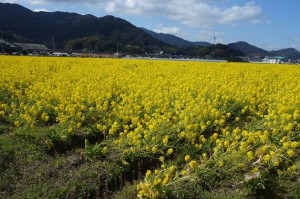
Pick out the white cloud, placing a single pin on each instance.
(201, 13)
(133, 7)
(38, 2)
(208, 35)
(169, 30)
(194, 13)
(40, 10)
(248, 12)
(9, 1)
(32, 2)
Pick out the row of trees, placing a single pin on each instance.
(96, 44)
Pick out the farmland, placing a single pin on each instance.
(113, 128)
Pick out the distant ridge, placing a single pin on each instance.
(109, 34)
(249, 49)
(174, 40)
(77, 31)
(289, 53)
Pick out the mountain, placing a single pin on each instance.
(103, 34)
(21, 21)
(289, 53)
(201, 43)
(248, 49)
(218, 51)
(87, 33)
(174, 41)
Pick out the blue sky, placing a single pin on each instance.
(271, 25)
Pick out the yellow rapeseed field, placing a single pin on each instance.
(192, 117)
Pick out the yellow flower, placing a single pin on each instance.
(295, 144)
(221, 163)
(166, 179)
(193, 164)
(264, 149)
(170, 151)
(99, 127)
(267, 158)
(187, 158)
(166, 140)
(157, 182)
(78, 125)
(276, 163)
(286, 145)
(214, 136)
(161, 158)
(293, 167)
(241, 165)
(148, 173)
(272, 153)
(183, 172)
(250, 155)
(17, 123)
(154, 149)
(291, 152)
(135, 120)
(141, 193)
(203, 140)
(104, 150)
(172, 168)
(255, 169)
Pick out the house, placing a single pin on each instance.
(32, 48)
(273, 60)
(7, 47)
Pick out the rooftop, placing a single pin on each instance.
(27, 46)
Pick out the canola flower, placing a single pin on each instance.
(230, 115)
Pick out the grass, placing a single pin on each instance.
(28, 170)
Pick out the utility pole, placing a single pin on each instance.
(214, 53)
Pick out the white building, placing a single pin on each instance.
(273, 60)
